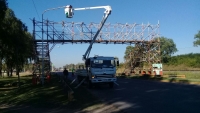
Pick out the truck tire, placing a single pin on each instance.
(111, 84)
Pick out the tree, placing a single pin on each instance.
(17, 43)
(129, 50)
(133, 55)
(167, 48)
(197, 39)
(3, 8)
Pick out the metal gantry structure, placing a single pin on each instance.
(144, 37)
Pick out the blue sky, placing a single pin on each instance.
(179, 20)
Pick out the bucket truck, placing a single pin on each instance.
(99, 69)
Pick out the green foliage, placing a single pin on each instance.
(129, 49)
(16, 43)
(3, 8)
(190, 60)
(121, 65)
(167, 48)
(197, 39)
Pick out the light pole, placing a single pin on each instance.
(43, 40)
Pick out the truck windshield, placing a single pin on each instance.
(103, 63)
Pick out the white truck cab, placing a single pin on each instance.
(100, 69)
(157, 69)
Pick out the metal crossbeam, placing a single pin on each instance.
(71, 32)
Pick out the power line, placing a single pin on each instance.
(36, 9)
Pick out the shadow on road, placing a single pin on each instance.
(145, 96)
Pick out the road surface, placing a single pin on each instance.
(143, 96)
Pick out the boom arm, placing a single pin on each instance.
(105, 16)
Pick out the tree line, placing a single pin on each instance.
(189, 60)
(16, 43)
(72, 66)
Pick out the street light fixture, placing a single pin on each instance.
(69, 11)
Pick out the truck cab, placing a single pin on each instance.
(101, 69)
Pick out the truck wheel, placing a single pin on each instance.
(111, 84)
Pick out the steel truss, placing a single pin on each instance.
(145, 37)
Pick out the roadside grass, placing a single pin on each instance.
(50, 95)
(188, 74)
(190, 77)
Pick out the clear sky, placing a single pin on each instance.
(179, 20)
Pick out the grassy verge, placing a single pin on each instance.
(191, 77)
(188, 74)
(50, 95)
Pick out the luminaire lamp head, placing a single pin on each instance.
(69, 11)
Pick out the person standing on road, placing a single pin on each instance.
(65, 72)
(73, 72)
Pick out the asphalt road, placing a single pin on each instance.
(143, 96)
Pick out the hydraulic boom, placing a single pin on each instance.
(105, 16)
(69, 14)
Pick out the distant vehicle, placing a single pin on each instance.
(157, 69)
